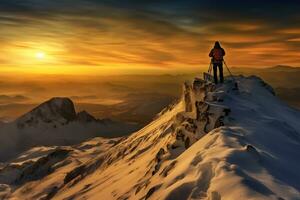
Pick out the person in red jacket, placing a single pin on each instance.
(217, 54)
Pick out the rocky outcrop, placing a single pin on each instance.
(17, 174)
(43, 166)
(57, 111)
(202, 113)
(54, 112)
(85, 117)
(82, 171)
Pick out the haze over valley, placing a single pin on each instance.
(128, 98)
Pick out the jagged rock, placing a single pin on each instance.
(52, 193)
(187, 143)
(150, 192)
(202, 113)
(56, 110)
(187, 97)
(42, 166)
(10, 173)
(31, 170)
(219, 122)
(84, 116)
(165, 172)
(83, 170)
(5, 191)
(74, 173)
(158, 159)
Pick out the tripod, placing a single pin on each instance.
(208, 76)
(232, 77)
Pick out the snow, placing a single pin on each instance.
(215, 143)
(57, 111)
(55, 122)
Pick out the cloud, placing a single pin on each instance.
(15, 98)
(87, 97)
(157, 34)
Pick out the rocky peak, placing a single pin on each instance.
(84, 116)
(56, 110)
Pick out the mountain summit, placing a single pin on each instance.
(215, 143)
(55, 122)
(56, 110)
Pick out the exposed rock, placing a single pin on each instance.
(74, 173)
(85, 117)
(82, 171)
(165, 172)
(5, 191)
(202, 113)
(42, 166)
(158, 159)
(150, 192)
(187, 97)
(56, 111)
(51, 193)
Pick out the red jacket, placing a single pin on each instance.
(217, 55)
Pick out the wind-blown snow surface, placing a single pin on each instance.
(216, 143)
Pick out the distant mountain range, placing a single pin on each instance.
(55, 122)
(273, 68)
(284, 67)
(217, 142)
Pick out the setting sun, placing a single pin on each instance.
(40, 55)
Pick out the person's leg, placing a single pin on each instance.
(215, 67)
(221, 73)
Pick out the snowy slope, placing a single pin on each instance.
(216, 143)
(55, 122)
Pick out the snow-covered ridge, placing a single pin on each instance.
(216, 143)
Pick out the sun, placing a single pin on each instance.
(40, 55)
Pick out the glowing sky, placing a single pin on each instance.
(141, 36)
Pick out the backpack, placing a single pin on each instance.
(218, 54)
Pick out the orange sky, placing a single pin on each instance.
(122, 40)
